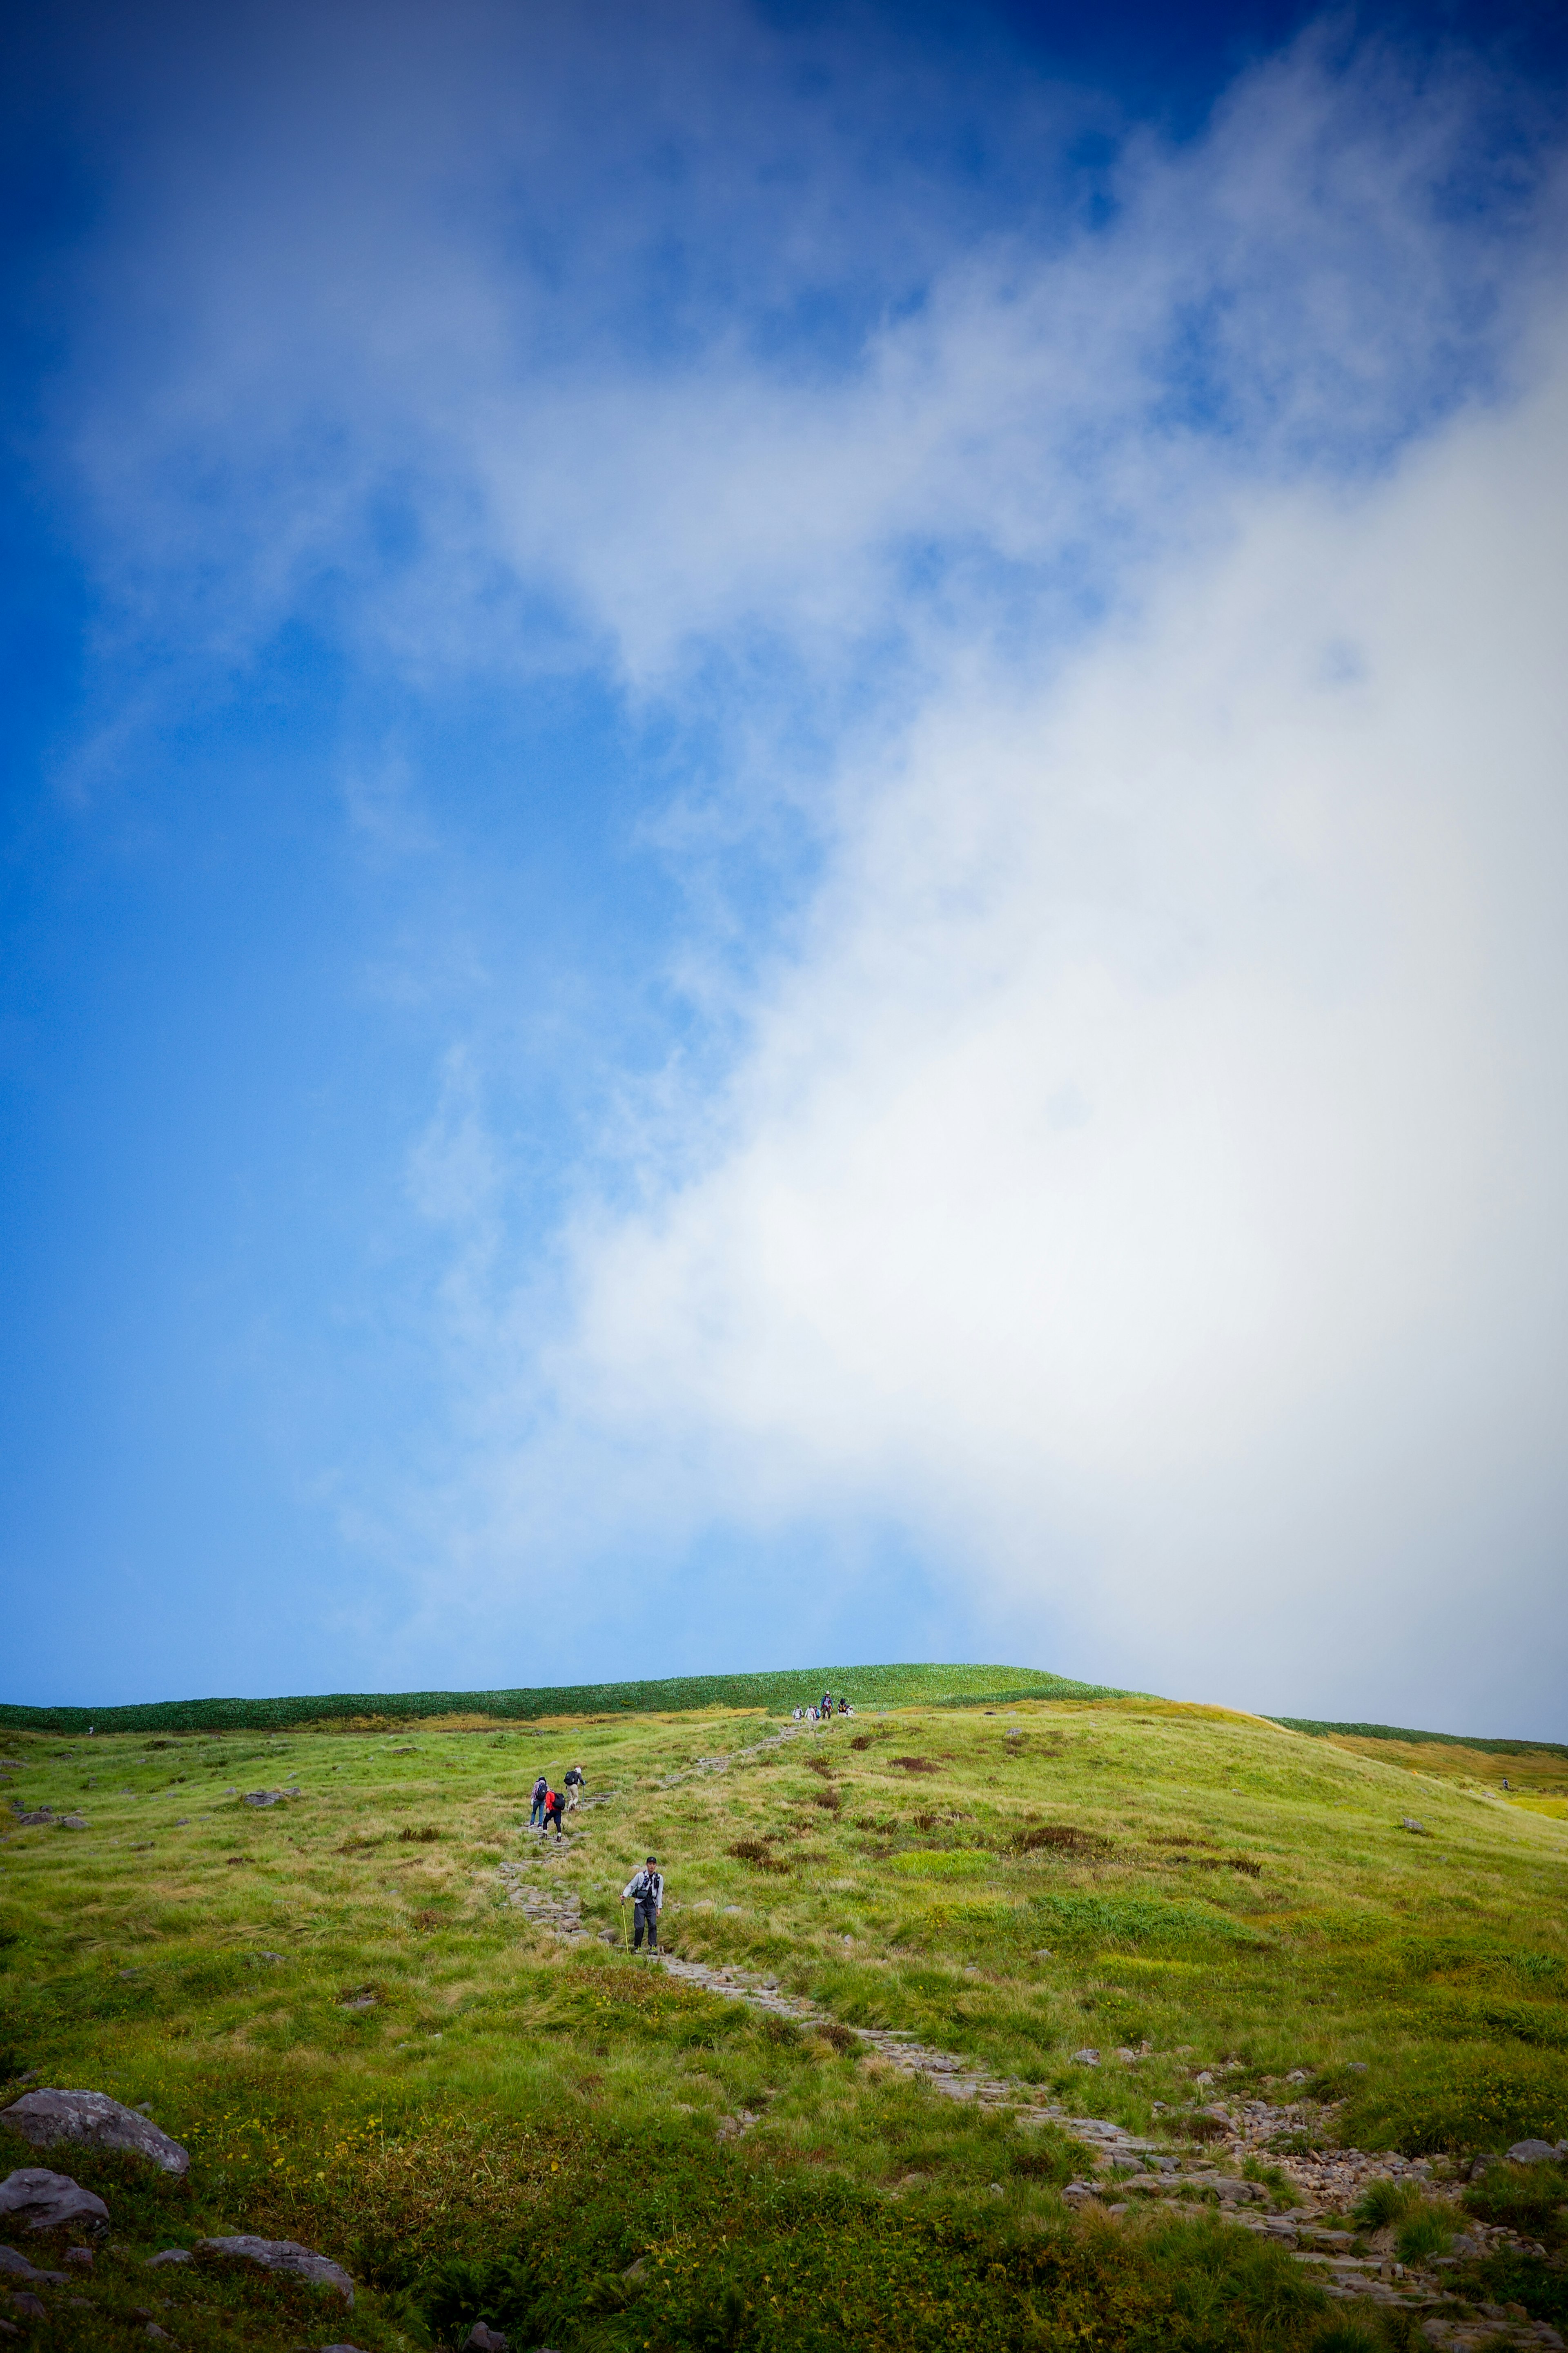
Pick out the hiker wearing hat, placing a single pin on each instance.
(574, 1786)
(646, 1888)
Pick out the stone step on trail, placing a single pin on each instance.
(945, 2071)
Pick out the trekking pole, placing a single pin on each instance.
(626, 1932)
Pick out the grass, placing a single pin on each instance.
(507, 2126)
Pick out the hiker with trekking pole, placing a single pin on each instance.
(646, 1890)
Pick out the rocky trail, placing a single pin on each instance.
(1125, 2171)
(1128, 2170)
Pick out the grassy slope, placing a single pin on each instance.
(1242, 1891)
(797, 1686)
(1536, 1776)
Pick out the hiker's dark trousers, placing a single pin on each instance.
(645, 1914)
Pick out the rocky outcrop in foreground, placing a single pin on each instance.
(92, 2119)
(45, 2201)
(283, 2255)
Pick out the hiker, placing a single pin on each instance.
(575, 1787)
(844, 1708)
(540, 1791)
(554, 1807)
(646, 1888)
(826, 1704)
(800, 1715)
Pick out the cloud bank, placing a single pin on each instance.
(1118, 1145)
(1148, 1173)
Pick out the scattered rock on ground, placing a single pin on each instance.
(169, 2256)
(563, 1913)
(45, 2117)
(44, 2200)
(1532, 2152)
(17, 2266)
(483, 2340)
(28, 2307)
(283, 2255)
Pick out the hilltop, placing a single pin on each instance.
(778, 1692)
(951, 1970)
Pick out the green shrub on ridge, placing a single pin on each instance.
(929, 1686)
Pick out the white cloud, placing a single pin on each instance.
(1155, 1157)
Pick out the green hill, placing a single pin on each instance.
(1422, 1739)
(778, 1692)
(391, 2024)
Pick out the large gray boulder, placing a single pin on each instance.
(46, 2201)
(93, 2119)
(1532, 2152)
(283, 2255)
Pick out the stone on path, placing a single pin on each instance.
(92, 2119)
(44, 2200)
(283, 2255)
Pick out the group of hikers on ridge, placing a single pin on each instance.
(820, 1714)
(550, 1805)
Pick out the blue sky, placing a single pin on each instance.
(784, 846)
